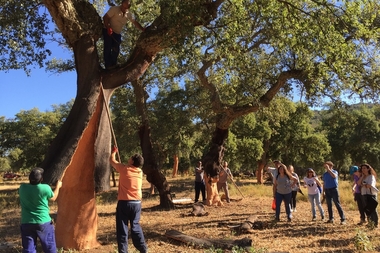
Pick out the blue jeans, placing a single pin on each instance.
(279, 198)
(315, 200)
(129, 211)
(45, 232)
(200, 187)
(111, 48)
(332, 194)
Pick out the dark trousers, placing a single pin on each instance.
(373, 216)
(200, 187)
(129, 211)
(111, 48)
(360, 203)
(332, 195)
(45, 232)
(293, 200)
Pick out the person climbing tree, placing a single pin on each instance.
(114, 20)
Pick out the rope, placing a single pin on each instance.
(231, 180)
(110, 121)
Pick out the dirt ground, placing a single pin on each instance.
(300, 235)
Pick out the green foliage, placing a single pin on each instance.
(353, 133)
(26, 138)
(362, 241)
(23, 26)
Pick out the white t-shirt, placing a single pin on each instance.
(311, 184)
(370, 180)
(118, 19)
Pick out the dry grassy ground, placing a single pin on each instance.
(301, 235)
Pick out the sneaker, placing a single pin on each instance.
(330, 221)
(314, 219)
(343, 222)
(289, 219)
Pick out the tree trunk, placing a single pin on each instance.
(153, 175)
(175, 166)
(150, 168)
(212, 162)
(79, 155)
(77, 218)
(259, 172)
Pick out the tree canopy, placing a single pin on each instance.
(238, 55)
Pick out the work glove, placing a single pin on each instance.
(109, 31)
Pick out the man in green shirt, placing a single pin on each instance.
(35, 217)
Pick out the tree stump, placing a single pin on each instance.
(208, 243)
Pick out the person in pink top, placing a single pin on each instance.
(129, 202)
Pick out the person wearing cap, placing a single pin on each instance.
(330, 188)
(128, 209)
(311, 182)
(114, 20)
(368, 190)
(35, 218)
(356, 173)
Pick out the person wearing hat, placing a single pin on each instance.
(311, 182)
(35, 219)
(330, 188)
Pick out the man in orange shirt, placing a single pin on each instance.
(129, 202)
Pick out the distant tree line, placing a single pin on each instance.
(292, 132)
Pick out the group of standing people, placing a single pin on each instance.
(286, 182)
(365, 191)
(286, 185)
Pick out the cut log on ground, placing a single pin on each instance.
(198, 210)
(208, 243)
(223, 198)
(183, 200)
(248, 226)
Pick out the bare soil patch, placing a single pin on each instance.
(300, 235)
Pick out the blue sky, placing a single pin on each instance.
(40, 90)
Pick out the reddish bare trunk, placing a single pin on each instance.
(175, 166)
(77, 214)
(212, 191)
(259, 172)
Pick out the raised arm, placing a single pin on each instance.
(56, 190)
